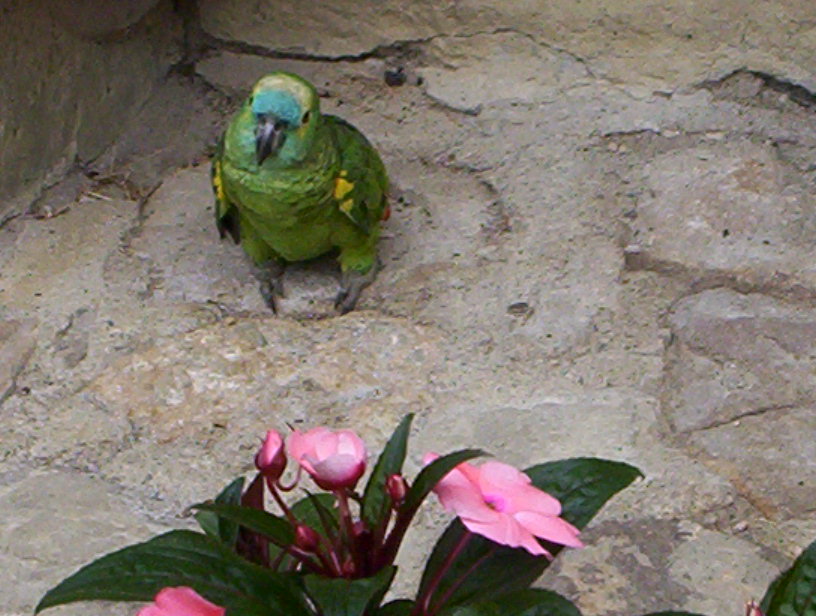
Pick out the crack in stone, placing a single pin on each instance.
(400, 47)
(752, 413)
(396, 48)
(774, 284)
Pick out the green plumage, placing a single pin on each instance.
(292, 184)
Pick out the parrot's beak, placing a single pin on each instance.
(269, 137)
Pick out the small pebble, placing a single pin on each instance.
(395, 78)
(520, 309)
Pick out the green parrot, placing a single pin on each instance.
(292, 184)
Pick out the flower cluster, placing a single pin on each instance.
(495, 501)
(263, 553)
(332, 553)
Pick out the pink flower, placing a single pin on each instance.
(271, 458)
(180, 601)
(334, 459)
(499, 502)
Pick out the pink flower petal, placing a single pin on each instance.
(338, 469)
(348, 442)
(471, 472)
(516, 489)
(324, 443)
(180, 601)
(530, 498)
(550, 528)
(461, 496)
(465, 502)
(429, 457)
(297, 444)
(533, 546)
(502, 529)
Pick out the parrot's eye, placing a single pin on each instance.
(305, 118)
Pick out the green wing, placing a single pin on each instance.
(226, 214)
(361, 187)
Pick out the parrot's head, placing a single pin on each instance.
(285, 110)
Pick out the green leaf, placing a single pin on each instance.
(277, 529)
(430, 475)
(318, 511)
(793, 593)
(582, 485)
(182, 558)
(343, 597)
(376, 502)
(398, 607)
(530, 602)
(220, 528)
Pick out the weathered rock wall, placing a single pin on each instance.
(73, 72)
(648, 44)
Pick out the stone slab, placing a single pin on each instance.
(733, 355)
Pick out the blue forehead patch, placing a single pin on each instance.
(279, 103)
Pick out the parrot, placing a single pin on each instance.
(292, 184)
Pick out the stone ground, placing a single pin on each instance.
(602, 244)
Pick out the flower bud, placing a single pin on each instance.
(397, 488)
(271, 458)
(752, 609)
(306, 538)
(335, 460)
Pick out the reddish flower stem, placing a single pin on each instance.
(421, 608)
(329, 560)
(305, 559)
(461, 579)
(347, 524)
(291, 486)
(378, 536)
(282, 504)
(388, 552)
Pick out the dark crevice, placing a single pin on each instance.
(797, 93)
(398, 49)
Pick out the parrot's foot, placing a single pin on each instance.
(352, 285)
(271, 276)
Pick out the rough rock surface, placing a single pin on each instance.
(73, 72)
(601, 245)
(91, 516)
(735, 355)
(17, 342)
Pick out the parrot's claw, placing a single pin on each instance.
(351, 286)
(271, 277)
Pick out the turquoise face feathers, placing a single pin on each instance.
(281, 108)
(278, 103)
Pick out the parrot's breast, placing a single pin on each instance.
(294, 212)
